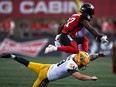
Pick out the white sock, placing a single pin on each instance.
(13, 56)
(55, 48)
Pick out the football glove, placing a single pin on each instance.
(95, 56)
(102, 39)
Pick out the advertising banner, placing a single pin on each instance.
(37, 8)
(27, 48)
(35, 48)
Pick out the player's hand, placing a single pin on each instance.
(104, 39)
(101, 55)
(94, 78)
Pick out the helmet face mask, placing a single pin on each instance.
(88, 9)
(81, 67)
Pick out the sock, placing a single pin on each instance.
(22, 60)
(13, 56)
(69, 49)
(55, 48)
(85, 44)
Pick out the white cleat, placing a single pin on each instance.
(50, 48)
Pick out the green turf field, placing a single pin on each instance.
(13, 74)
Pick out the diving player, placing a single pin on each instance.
(51, 72)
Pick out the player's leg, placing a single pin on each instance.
(22, 61)
(42, 80)
(40, 69)
(36, 67)
(69, 45)
(18, 59)
(83, 41)
(69, 49)
(41, 83)
(85, 44)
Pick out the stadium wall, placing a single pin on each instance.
(103, 8)
(35, 47)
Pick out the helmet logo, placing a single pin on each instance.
(83, 8)
(92, 6)
(88, 17)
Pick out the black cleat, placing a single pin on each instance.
(5, 55)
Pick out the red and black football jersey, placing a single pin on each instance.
(74, 25)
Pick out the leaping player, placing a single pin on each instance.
(67, 32)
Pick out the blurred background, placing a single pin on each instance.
(28, 26)
(30, 20)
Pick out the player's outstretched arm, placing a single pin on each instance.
(99, 37)
(83, 77)
(16, 58)
(88, 26)
(95, 56)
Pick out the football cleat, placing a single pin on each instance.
(7, 55)
(50, 48)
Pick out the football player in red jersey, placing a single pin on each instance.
(67, 32)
